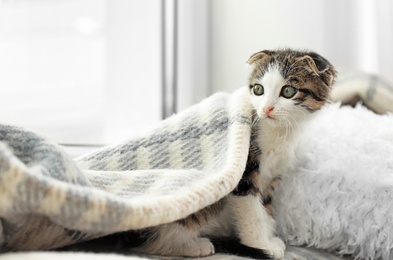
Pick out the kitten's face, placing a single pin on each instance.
(286, 86)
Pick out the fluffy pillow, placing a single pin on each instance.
(340, 198)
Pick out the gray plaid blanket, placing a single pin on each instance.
(185, 163)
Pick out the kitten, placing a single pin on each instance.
(286, 86)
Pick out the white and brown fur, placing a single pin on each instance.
(247, 212)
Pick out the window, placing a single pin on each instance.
(81, 71)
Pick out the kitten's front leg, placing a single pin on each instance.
(175, 239)
(255, 227)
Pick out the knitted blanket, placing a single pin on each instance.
(180, 166)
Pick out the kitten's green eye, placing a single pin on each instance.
(258, 90)
(288, 91)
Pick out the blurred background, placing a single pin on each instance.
(92, 72)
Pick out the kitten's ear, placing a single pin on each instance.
(261, 57)
(321, 67)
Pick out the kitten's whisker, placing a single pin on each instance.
(294, 122)
(297, 128)
(289, 127)
(255, 118)
(290, 122)
(304, 114)
(255, 122)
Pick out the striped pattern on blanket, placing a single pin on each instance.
(185, 163)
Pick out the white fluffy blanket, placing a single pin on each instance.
(339, 198)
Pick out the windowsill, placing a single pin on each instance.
(77, 150)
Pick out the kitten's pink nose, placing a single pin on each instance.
(268, 110)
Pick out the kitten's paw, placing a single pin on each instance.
(196, 247)
(276, 248)
(200, 247)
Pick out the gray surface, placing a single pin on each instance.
(111, 246)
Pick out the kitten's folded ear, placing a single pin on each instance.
(261, 57)
(321, 67)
